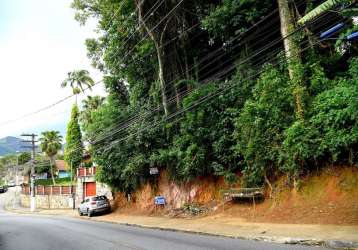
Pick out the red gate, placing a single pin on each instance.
(89, 188)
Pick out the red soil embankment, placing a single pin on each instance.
(327, 197)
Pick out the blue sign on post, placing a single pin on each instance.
(159, 200)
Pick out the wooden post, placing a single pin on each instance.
(253, 199)
(223, 205)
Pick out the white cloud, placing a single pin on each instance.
(39, 44)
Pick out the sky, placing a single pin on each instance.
(39, 43)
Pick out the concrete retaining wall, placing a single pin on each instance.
(103, 189)
(48, 201)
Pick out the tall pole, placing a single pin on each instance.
(32, 185)
(17, 169)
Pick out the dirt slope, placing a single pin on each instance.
(327, 197)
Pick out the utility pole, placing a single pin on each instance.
(32, 185)
(17, 168)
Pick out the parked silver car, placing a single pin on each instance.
(94, 204)
(11, 184)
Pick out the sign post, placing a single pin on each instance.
(159, 201)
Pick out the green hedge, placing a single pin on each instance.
(59, 181)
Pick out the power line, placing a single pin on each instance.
(70, 96)
(300, 52)
(209, 96)
(221, 48)
(126, 126)
(130, 121)
(47, 107)
(193, 105)
(50, 106)
(152, 29)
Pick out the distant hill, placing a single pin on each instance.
(10, 144)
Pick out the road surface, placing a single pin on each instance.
(36, 232)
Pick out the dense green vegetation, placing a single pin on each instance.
(206, 93)
(59, 181)
(74, 146)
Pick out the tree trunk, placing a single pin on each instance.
(162, 81)
(51, 168)
(268, 183)
(292, 56)
(351, 157)
(162, 34)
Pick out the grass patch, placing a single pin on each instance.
(59, 181)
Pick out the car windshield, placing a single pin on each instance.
(99, 198)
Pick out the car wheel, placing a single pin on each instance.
(79, 212)
(89, 213)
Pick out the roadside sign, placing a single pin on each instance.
(153, 171)
(159, 200)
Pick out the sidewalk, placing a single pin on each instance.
(238, 228)
(339, 237)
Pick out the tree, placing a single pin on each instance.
(323, 7)
(89, 105)
(261, 123)
(115, 51)
(24, 157)
(78, 81)
(292, 55)
(74, 146)
(150, 50)
(173, 21)
(50, 145)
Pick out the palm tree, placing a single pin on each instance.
(323, 7)
(78, 81)
(50, 145)
(93, 102)
(89, 105)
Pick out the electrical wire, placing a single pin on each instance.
(54, 104)
(238, 36)
(310, 45)
(135, 120)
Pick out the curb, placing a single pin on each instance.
(332, 244)
(36, 212)
(347, 245)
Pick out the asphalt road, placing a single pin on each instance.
(35, 232)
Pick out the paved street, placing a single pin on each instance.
(27, 232)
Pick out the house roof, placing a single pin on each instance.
(61, 165)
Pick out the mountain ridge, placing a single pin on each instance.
(11, 144)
